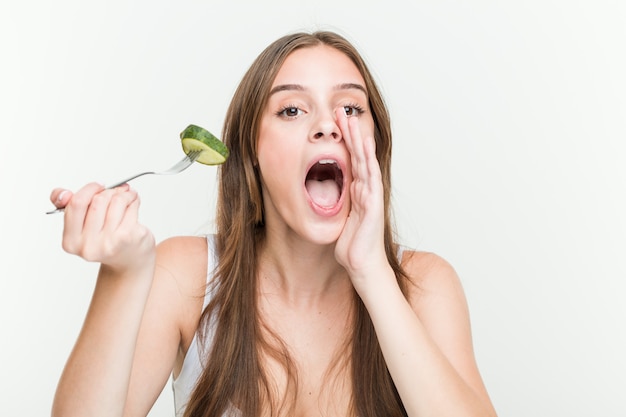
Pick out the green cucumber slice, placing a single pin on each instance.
(213, 151)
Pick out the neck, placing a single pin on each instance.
(300, 272)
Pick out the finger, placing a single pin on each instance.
(373, 166)
(357, 138)
(364, 149)
(351, 133)
(60, 197)
(120, 201)
(342, 120)
(351, 140)
(361, 168)
(131, 215)
(76, 209)
(97, 212)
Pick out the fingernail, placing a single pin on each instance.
(60, 197)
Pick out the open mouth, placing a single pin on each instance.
(324, 183)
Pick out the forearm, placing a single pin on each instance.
(427, 382)
(96, 377)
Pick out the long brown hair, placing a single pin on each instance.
(234, 372)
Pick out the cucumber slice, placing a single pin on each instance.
(213, 151)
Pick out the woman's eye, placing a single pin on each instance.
(290, 111)
(352, 110)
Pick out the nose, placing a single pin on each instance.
(326, 127)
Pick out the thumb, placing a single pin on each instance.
(60, 197)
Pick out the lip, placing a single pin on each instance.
(327, 211)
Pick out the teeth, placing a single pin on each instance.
(327, 161)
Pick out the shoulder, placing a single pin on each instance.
(435, 290)
(179, 249)
(429, 272)
(180, 276)
(182, 257)
(437, 297)
(183, 260)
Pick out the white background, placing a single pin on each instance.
(509, 122)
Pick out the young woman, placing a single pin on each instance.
(301, 304)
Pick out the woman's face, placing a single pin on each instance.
(303, 160)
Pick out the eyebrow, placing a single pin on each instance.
(299, 87)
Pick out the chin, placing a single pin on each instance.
(325, 234)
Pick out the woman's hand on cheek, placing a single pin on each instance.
(101, 225)
(360, 247)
